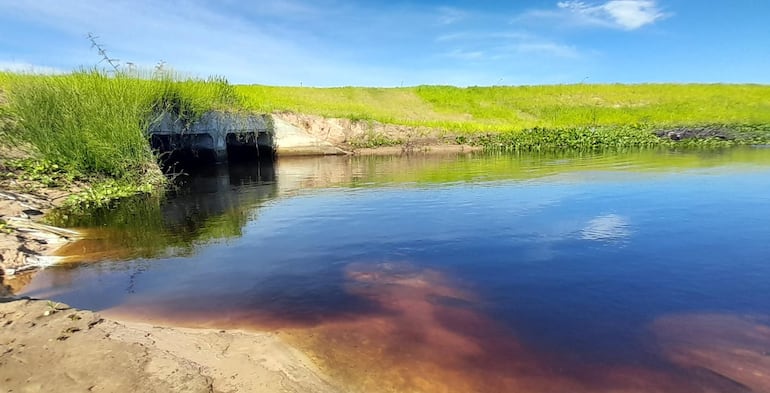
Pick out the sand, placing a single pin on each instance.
(48, 347)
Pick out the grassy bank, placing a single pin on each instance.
(90, 123)
(93, 125)
(527, 117)
(507, 108)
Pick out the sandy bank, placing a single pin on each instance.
(49, 347)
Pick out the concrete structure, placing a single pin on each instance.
(220, 132)
(214, 132)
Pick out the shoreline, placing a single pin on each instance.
(97, 354)
(111, 354)
(26, 244)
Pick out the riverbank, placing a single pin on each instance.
(50, 347)
(26, 243)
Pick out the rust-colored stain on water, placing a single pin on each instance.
(416, 332)
(732, 347)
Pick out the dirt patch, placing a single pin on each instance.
(46, 347)
(369, 137)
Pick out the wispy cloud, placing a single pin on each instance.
(291, 42)
(619, 14)
(450, 15)
(501, 45)
(28, 68)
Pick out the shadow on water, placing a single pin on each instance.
(210, 203)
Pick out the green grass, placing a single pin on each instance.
(495, 109)
(94, 123)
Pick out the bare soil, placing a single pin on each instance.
(368, 137)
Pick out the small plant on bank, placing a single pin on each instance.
(4, 227)
(104, 192)
(52, 308)
(372, 139)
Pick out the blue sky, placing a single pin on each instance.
(393, 43)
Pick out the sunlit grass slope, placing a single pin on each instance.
(525, 107)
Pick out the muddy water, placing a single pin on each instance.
(634, 272)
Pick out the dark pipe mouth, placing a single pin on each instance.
(177, 154)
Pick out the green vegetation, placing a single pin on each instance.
(484, 109)
(4, 228)
(37, 171)
(91, 125)
(95, 123)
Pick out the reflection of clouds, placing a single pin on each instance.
(606, 228)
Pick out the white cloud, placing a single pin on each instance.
(632, 14)
(28, 68)
(620, 14)
(497, 45)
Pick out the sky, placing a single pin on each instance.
(399, 43)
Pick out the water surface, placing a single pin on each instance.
(632, 272)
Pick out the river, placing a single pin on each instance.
(641, 271)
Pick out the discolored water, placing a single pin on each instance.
(634, 272)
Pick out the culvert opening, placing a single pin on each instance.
(248, 146)
(176, 153)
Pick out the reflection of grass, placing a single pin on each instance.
(525, 107)
(525, 166)
(137, 228)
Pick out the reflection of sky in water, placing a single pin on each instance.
(606, 228)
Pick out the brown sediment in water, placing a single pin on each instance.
(419, 332)
(433, 339)
(731, 347)
(97, 245)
